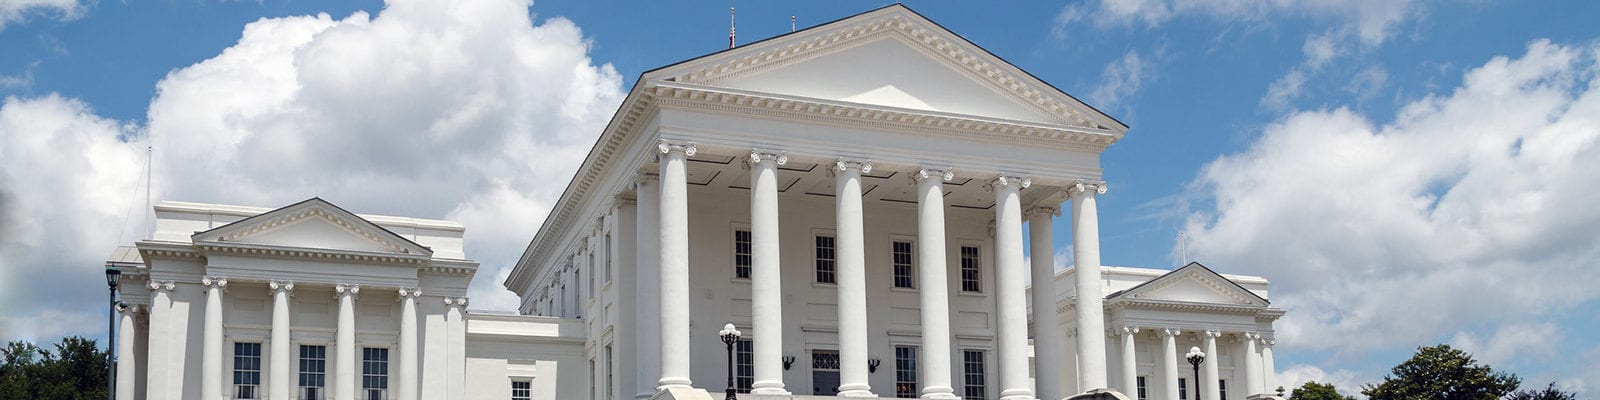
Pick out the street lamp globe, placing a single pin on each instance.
(730, 335)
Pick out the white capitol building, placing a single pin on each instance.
(852, 197)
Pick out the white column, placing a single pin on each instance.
(1252, 364)
(674, 265)
(158, 375)
(935, 291)
(1086, 258)
(1009, 288)
(211, 341)
(1046, 326)
(852, 278)
(434, 354)
(456, 349)
(647, 190)
(278, 380)
(1169, 362)
(344, 367)
(1208, 370)
(766, 286)
(408, 344)
(1069, 363)
(127, 362)
(1269, 378)
(1130, 362)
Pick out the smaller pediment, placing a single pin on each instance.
(313, 224)
(1194, 283)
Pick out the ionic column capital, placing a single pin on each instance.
(455, 302)
(1041, 210)
(645, 178)
(1210, 333)
(933, 173)
(1268, 343)
(1128, 330)
(1081, 187)
(127, 309)
(668, 147)
(758, 156)
(1252, 336)
(1170, 332)
(160, 286)
(342, 290)
(214, 282)
(1005, 180)
(285, 287)
(409, 293)
(846, 164)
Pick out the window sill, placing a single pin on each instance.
(824, 285)
(903, 289)
(971, 294)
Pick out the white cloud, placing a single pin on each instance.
(1122, 78)
(12, 11)
(1536, 341)
(1471, 208)
(1371, 21)
(1347, 382)
(467, 111)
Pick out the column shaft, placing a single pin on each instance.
(1252, 365)
(674, 233)
(1169, 363)
(211, 341)
(1086, 258)
(408, 344)
(278, 362)
(934, 293)
(344, 367)
(1130, 362)
(1046, 326)
(456, 373)
(1012, 334)
(1268, 371)
(158, 375)
(647, 189)
(851, 280)
(766, 286)
(434, 350)
(127, 362)
(1208, 370)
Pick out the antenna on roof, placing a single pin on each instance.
(1183, 248)
(730, 27)
(791, 23)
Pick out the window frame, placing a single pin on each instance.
(906, 385)
(743, 272)
(832, 261)
(907, 280)
(744, 365)
(245, 372)
(527, 389)
(969, 376)
(373, 370)
(1142, 391)
(318, 375)
(971, 276)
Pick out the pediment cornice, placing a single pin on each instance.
(271, 251)
(321, 210)
(683, 95)
(905, 25)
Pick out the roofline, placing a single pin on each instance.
(1119, 293)
(330, 204)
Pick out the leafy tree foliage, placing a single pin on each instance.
(1549, 393)
(75, 370)
(1442, 373)
(1317, 391)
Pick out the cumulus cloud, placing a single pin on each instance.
(13, 11)
(1122, 78)
(1372, 21)
(1347, 382)
(1472, 208)
(466, 111)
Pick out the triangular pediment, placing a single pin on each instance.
(1194, 283)
(312, 224)
(890, 57)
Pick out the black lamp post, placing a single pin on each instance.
(1196, 357)
(113, 276)
(730, 335)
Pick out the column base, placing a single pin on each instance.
(768, 387)
(681, 393)
(939, 393)
(863, 391)
(1099, 394)
(668, 382)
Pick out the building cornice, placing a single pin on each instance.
(301, 253)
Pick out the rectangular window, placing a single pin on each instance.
(593, 283)
(1183, 389)
(1143, 392)
(521, 390)
(246, 370)
(610, 257)
(905, 372)
(592, 394)
(971, 275)
(611, 386)
(374, 373)
(744, 365)
(577, 293)
(1222, 388)
(741, 254)
(902, 264)
(313, 371)
(976, 387)
(825, 259)
(824, 372)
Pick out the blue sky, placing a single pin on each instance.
(1407, 172)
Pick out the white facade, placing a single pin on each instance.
(851, 196)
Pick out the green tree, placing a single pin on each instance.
(1317, 391)
(75, 370)
(1442, 373)
(1549, 393)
